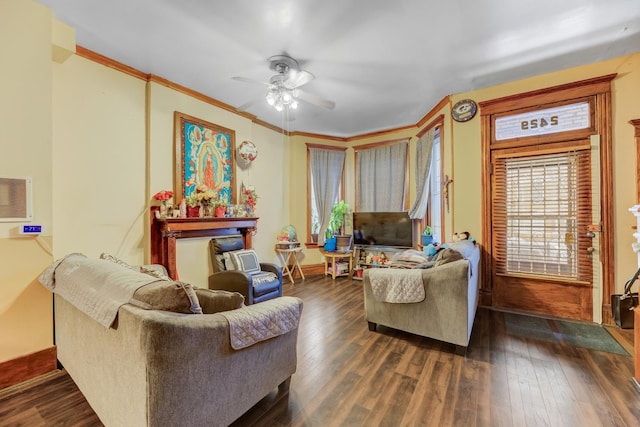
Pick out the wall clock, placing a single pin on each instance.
(464, 110)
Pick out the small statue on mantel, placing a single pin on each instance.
(383, 258)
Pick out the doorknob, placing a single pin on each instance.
(591, 234)
(590, 250)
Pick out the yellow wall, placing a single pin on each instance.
(267, 174)
(25, 135)
(99, 153)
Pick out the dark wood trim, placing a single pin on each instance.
(486, 171)
(379, 133)
(312, 269)
(371, 145)
(316, 135)
(26, 367)
(83, 52)
(569, 90)
(438, 107)
(636, 124)
(438, 121)
(607, 237)
(326, 147)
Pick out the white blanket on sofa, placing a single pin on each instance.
(259, 322)
(397, 285)
(96, 287)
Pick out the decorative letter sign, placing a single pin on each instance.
(542, 122)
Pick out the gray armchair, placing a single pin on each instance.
(237, 270)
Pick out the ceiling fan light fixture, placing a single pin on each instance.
(294, 104)
(279, 107)
(271, 99)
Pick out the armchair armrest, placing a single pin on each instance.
(272, 268)
(232, 280)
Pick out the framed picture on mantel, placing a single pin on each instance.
(204, 155)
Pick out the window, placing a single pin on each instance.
(434, 206)
(328, 179)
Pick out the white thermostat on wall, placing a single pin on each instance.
(30, 229)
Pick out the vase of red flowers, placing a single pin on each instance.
(163, 197)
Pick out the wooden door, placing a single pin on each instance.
(542, 240)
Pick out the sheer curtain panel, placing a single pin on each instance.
(326, 174)
(424, 147)
(382, 178)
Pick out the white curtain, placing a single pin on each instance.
(424, 147)
(326, 173)
(382, 178)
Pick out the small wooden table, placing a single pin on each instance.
(335, 257)
(286, 256)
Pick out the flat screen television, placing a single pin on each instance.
(383, 229)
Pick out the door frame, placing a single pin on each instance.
(598, 92)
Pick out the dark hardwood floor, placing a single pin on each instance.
(349, 376)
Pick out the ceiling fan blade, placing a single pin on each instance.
(248, 80)
(316, 100)
(249, 104)
(298, 78)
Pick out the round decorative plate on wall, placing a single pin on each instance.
(464, 110)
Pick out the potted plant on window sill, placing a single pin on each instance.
(427, 236)
(337, 222)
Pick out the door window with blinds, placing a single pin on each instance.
(542, 207)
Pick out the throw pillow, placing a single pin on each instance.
(246, 260)
(213, 301)
(446, 256)
(178, 297)
(228, 261)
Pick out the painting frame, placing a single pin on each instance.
(205, 153)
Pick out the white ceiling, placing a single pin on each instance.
(384, 63)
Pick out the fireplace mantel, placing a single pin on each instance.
(165, 231)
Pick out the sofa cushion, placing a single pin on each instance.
(178, 297)
(214, 301)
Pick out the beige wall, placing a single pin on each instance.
(25, 137)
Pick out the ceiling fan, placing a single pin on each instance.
(284, 88)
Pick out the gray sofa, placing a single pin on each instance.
(161, 368)
(447, 311)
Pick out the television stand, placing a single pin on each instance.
(369, 256)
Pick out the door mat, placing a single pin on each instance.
(591, 336)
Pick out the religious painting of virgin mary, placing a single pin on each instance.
(205, 155)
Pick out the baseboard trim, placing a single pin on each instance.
(26, 367)
(312, 269)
